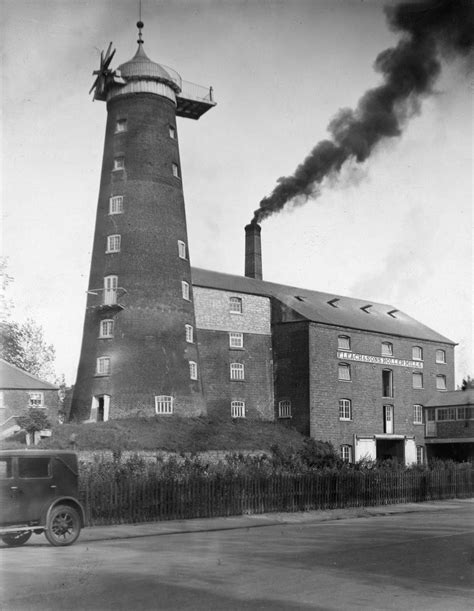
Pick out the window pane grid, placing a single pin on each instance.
(189, 334)
(106, 328)
(417, 353)
(116, 204)
(346, 453)
(284, 409)
(185, 290)
(36, 399)
(193, 371)
(417, 414)
(113, 243)
(236, 340)
(236, 371)
(237, 409)
(440, 356)
(235, 305)
(345, 409)
(103, 365)
(163, 404)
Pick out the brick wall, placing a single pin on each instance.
(149, 353)
(16, 402)
(365, 387)
(212, 311)
(219, 390)
(291, 372)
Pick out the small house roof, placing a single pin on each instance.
(324, 308)
(452, 398)
(12, 378)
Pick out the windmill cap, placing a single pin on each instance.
(141, 67)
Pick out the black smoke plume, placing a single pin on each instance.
(430, 30)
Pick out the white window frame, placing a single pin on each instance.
(441, 379)
(416, 375)
(390, 386)
(172, 131)
(182, 249)
(237, 371)
(2, 400)
(113, 243)
(346, 452)
(420, 455)
(387, 349)
(193, 370)
(235, 305)
(116, 204)
(175, 170)
(120, 125)
(164, 405)
(236, 339)
(414, 354)
(119, 163)
(189, 331)
(185, 290)
(106, 328)
(237, 409)
(343, 342)
(345, 409)
(110, 289)
(36, 400)
(344, 367)
(103, 367)
(284, 409)
(441, 360)
(418, 414)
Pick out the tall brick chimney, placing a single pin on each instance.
(253, 251)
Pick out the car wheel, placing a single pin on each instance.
(64, 525)
(17, 538)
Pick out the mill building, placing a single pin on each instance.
(161, 337)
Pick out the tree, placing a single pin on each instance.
(25, 347)
(467, 382)
(33, 421)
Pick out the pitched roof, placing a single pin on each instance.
(316, 306)
(12, 377)
(452, 398)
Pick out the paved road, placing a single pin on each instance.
(421, 560)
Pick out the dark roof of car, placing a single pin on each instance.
(451, 398)
(12, 378)
(315, 306)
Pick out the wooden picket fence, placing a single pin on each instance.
(147, 498)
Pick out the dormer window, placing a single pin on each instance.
(366, 308)
(334, 302)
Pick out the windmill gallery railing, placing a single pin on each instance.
(146, 498)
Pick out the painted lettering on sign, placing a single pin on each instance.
(379, 360)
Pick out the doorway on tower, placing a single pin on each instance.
(100, 408)
(391, 449)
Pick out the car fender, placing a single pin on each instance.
(64, 500)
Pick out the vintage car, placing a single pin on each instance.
(39, 493)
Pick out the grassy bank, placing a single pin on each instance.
(175, 435)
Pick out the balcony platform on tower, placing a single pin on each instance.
(193, 101)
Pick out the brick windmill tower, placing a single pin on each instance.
(139, 352)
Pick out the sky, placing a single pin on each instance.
(396, 229)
